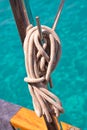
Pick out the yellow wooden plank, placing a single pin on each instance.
(68, 127)
(27, 120)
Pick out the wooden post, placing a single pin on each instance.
(21, 17)
(22, 21)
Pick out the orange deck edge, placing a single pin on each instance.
(27, 120)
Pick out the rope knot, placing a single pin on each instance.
(41, 58)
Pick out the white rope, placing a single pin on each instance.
(40, 61)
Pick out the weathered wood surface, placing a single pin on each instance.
(7, 111)
(27, 120)
(21, 17)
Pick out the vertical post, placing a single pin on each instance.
(22, 22)
(21, 17)
(39, 28)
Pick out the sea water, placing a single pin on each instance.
(70, 76)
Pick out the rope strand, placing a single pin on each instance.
(58, 14)
(40, 61)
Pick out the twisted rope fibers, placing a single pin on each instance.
(40, 61)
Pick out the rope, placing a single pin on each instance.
(40, 61)
(58, 14)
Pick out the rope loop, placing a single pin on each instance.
(40, 61)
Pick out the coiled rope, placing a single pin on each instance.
(40, 61)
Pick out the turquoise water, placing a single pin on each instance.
(70, 76)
